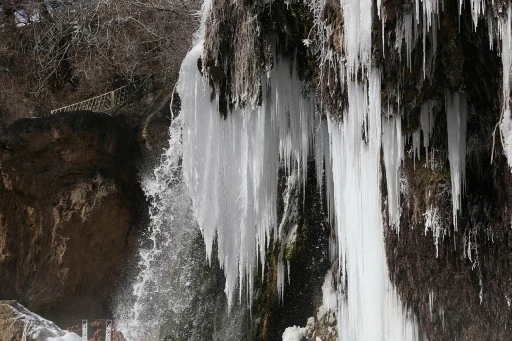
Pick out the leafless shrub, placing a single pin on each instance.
(72, 50)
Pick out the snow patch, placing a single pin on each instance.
(295, 334)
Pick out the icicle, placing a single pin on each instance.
(427, 127)
(357, 26)
(477, 10)
(431, 298)
(425, 14)
(405, 32)
(280, 279)
(456, 116)
(323, 163)
(370, 308)
(506, 58)
(416, 146)
(393, 148)
(433, 224)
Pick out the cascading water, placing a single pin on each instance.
(170, 232)
(176, 294)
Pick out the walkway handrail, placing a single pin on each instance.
(118, 97)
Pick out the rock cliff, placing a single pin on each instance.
(70, 206)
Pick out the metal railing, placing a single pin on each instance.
(108, 329)
(116, 98)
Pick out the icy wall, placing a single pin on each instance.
(400, 109)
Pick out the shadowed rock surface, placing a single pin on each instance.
(69, 205)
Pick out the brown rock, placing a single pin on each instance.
(68, 204)
(11, 328)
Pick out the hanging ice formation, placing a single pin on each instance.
(393, 148)
(231, 164)
(505, 33)
(369, 307)
(456, 116)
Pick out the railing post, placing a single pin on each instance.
(84, 330)
(112, 100)
(108, 331)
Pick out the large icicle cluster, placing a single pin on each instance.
(231, 163)
(369, 307)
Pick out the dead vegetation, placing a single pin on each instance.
(77, 49)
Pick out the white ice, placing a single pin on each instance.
(456, 116)
(231, 164)
(393, 148)
(370, 308)
(505, 31)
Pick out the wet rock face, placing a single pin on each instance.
(305, 247)
(464, 292)
(69, 203)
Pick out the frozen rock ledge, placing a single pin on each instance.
(18, 323)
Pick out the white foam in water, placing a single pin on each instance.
(170, 232)
(393, 147)
(456, 117)
(231, 163)
(295, 333)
